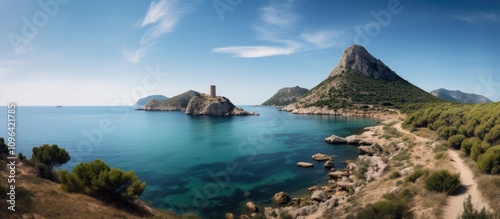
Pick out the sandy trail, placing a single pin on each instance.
(455, 203)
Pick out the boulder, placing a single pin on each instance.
(352, 168)
(321, 157)
(353, 139)
(313, 188)
(371, 150)
(304, 164)
(329, 164)
(251, 206)
(406, 171)
(281, 198)
(336, 140)
(338, 174)
(319, 196)
(375, 166)
(229, 216)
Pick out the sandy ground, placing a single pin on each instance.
(455, 203)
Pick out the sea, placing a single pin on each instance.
(208, 165)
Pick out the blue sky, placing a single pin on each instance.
(71, 52)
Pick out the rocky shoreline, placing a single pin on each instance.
(341, 184)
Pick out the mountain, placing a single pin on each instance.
(205, 104)
(459, 96)
(286, 96)
(143, 101)
(358, 80)
(175, 103)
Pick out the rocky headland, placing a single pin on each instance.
(176, 103)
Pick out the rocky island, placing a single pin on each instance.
(205, 104)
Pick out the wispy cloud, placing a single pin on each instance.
(275, 21)
(476, 18)
(161, 18)
(257, 51)
(323, 39)
(134, 56)
(280, 15)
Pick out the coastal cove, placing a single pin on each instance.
(208, 165)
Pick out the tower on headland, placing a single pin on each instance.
(212, 91)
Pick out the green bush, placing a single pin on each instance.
(442, 181)
(477, 149)
(467, 144)
(98, 179)
(471, 213)
(489, 162)
(456, 141)
(417, 174)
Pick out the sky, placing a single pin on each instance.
(103, 53)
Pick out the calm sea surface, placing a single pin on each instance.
(194, 164)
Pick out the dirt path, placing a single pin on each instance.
(455, 203)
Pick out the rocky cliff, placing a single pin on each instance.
(175, 103)
(359, 81)
(204, 104)
(286, 96)
(459, 96)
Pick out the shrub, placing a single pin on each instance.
(489, 162)
(442, 181)
(395, 174)
(471, 213)
(477, 149)
(456, 141)
(417, 174)
(98, 179)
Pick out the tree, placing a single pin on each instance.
(98, 179)
(456, 141)
(50, 156)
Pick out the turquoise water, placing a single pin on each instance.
(194, 164)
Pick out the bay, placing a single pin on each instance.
(200, 164)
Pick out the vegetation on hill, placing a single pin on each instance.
(351, 87)
(143, 101)
(51, 156)
(475, 129)
(98, 179)
(175, 103)
(286, 96)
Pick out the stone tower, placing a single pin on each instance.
(212, 91)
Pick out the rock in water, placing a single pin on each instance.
(329, 164)
(321, 157)
(305, 164)
(175, 103)
(204, 104)
(281, 198)
(251, 206)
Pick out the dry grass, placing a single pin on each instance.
(40, 198)
(490, 188)
(426, 133)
